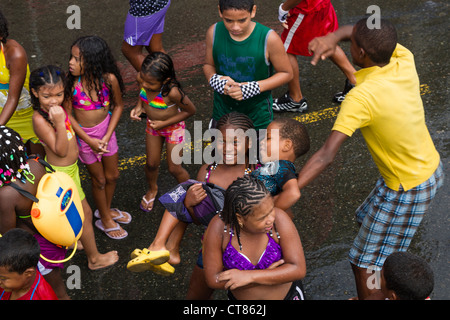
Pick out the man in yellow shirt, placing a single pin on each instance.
(386, 106)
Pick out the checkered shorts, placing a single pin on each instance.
(389, 220)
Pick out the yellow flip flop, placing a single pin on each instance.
(164, 269)
(147, 259)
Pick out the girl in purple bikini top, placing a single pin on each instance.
(233, 259)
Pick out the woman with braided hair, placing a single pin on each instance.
(252, 249)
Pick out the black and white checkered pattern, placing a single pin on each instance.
(217, 84)
(250, 89)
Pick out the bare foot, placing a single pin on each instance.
(103, 260)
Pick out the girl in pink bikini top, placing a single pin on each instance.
(81, 100)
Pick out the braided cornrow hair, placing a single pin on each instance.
(241, 197)
(236, 119)
(240, 121)
(40, 77)
(13, 157)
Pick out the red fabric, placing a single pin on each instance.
(308, 6)
(319, 19)
(43, 290)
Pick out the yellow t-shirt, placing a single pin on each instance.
(387, 107)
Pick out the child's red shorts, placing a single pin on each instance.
(303, 27)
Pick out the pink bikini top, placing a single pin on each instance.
(81, 100)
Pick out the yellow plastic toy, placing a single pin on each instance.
(58, 216)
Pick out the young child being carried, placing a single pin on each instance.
(196, 200)
(166, 106)
(290, 140)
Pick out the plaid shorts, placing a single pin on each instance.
(389, 220)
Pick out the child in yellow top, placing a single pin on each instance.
(386, 105)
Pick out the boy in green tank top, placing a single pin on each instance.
(244, 62)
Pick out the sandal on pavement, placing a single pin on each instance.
(147, 202)
(99, 225)
(147, 259)
(164, 269)
(121, 214)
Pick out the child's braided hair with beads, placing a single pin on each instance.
(13, 157)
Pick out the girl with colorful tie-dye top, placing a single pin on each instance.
(94, 96)
(166, 106)
(53, 127)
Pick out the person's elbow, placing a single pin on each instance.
(211, 282)
(300, 270)
(288, 75)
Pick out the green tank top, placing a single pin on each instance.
(243, 61)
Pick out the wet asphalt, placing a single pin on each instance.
(324, 215)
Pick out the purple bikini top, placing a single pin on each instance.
(233, 259)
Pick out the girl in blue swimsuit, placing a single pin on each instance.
(253, 249)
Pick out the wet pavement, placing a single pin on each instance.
(324, 215)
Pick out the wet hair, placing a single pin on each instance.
(13, 157)
(296, 132)
(40, 77)
(4, 33)
(246, 5)
(98, 61)
(409, 276)
(160, 66)
(19, 251)
(241, 197)
(378, 43)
